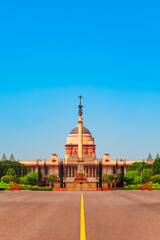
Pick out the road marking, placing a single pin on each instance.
(82, 226)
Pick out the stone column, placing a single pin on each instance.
(80, 169)
(71, 171)
(80, 138)
(80, 161)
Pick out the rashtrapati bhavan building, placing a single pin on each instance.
(80, 163)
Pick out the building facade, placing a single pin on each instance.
(80, 158)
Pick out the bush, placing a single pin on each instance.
(24, 180)
(36, 188)
(7, 179)
(30, 179)
(146, 175)
(137, 180)
(155, 179)
(130, 176)
(47, 188)
(132, 187)
(110, 177)
(2, 184)
(4, 188)
(155, 186)
(10, 177)
(52, 178)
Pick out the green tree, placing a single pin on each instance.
(5, 165)
(130, 175)
(146, 175)
(156, 166)
(11, 172)
(11, 176)
(138, 165)
(108, 178)
(137, 180)
(31, 178)
(52, 178)
(119, 177)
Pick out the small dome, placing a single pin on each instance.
(84, 129)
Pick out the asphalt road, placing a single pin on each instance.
(112, 215)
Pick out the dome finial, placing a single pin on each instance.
(80, 106)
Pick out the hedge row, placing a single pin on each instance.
(35, 188)
(155, 186)
(5, 186)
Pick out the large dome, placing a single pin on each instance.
(84, 129)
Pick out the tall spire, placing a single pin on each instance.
(4, 157)
(80, 131)
(12, 158)
(149, 157)
(80, 106)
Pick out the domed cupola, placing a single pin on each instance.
(72, 143)
(84, 129)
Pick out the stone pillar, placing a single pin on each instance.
(71, 171)
(80, 138)
(80, 169)
(80, 161)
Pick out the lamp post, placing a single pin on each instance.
(39, 171)
(142, 169)
(100, 174)
(122, 167)
(61, 171)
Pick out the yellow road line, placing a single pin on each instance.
(82, 226)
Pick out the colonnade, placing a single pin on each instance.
(90, 171)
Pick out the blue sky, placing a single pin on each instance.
(51, 51)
